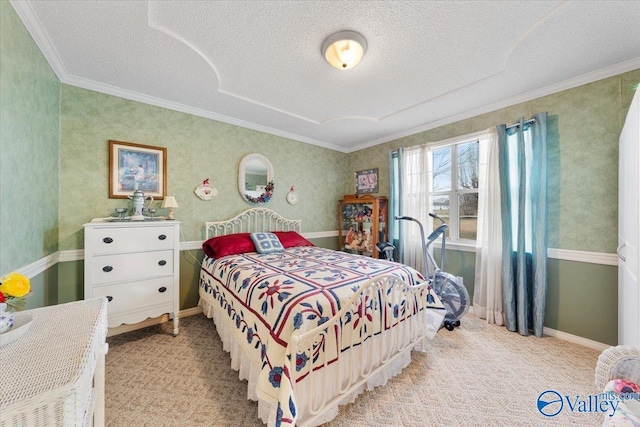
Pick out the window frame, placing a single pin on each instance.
(453, 193)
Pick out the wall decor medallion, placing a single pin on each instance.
(292, 197)
(137, 167)
(206, 191)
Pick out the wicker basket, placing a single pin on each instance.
(48, 373)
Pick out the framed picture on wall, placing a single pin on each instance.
(367, 181)
(137, 167)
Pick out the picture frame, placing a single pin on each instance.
(366, 181)
(137, 167)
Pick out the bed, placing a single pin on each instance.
(308, 327)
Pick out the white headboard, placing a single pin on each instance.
(251, 221)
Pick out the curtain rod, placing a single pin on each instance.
(512, 125)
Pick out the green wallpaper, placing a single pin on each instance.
(29, 147)
(54, 161)
(197, 148)
(584, 126)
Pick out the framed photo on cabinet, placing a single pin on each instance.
(367, 181)
(137, 167)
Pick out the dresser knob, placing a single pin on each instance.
(107, 268)
(109, 298)
(162, 289)
(107, 240)
(162, 262)
(162, 237)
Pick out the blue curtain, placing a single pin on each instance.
(395, 201)
(523, 180)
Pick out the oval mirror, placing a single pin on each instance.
(255, 178)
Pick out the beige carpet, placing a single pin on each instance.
(478, 375)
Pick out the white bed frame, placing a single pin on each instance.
(252, 221)
(368, 361)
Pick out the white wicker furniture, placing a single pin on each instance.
(622, 362)
(136, 265)
(54, 375)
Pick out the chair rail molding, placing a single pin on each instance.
(41, 265)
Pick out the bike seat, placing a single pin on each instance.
(384, 245)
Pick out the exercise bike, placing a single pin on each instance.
(452, 293)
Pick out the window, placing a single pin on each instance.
(454, 188)
(443, 178)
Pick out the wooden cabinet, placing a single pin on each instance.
(136, 265)
(363, 223)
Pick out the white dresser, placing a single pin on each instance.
(54, 374)
(136, 265)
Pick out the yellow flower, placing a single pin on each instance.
(15, 285)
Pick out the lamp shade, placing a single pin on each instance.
(169, 202)
(344, 49)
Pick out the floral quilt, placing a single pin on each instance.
(271, 296)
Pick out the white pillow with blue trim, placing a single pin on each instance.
(266, 243)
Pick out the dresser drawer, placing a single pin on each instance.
(131, 239)
(126, 297)
(125, 267)
(136, 265)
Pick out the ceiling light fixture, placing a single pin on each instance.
(344, 49)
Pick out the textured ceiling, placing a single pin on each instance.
(258, 64)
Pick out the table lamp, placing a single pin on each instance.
(169, 202)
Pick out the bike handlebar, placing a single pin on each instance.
(434, 216)
(439, 231)
(408, 218)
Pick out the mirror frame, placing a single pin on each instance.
(242, 169)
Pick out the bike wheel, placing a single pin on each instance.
(454, 295)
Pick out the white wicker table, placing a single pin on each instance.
(54, 375)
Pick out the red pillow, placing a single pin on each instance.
(290, 239)
(231, 244)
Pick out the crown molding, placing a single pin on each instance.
(176, 106)
(571, 83)
(29, 18)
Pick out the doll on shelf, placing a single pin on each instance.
(366, 244)
(351, 235)
(356, 244)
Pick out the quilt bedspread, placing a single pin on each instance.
(269, 297)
